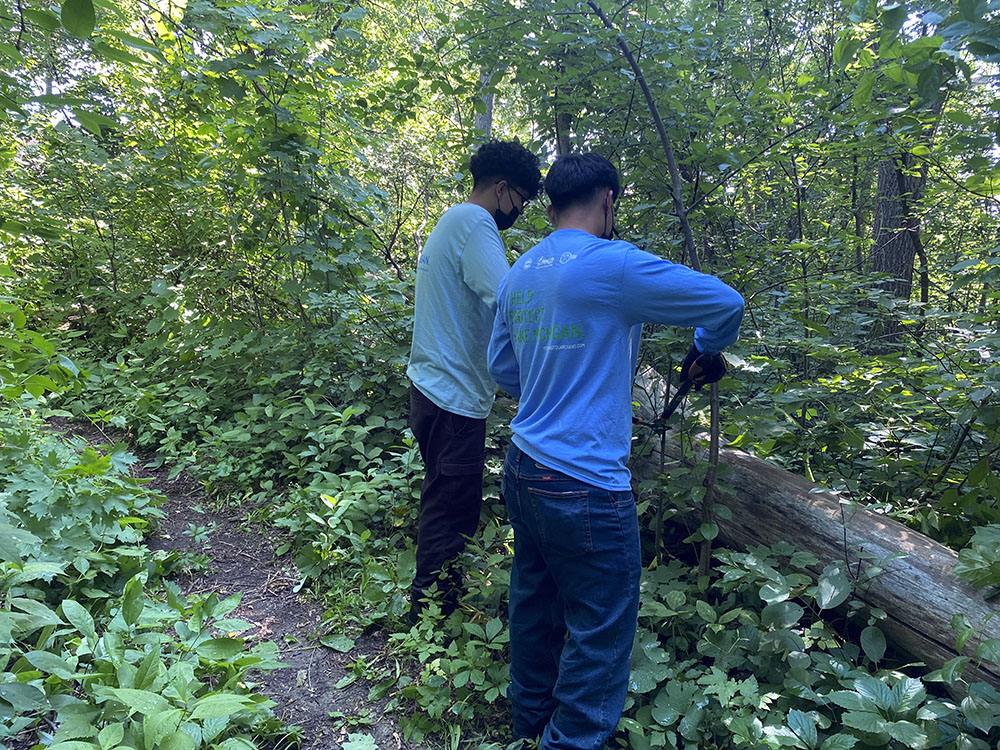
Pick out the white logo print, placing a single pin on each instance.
(546, 262)
(527, 264)
(566, 257)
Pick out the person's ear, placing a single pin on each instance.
(551, 213)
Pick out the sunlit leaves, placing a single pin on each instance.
(78, 17)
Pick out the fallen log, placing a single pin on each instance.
(917, 590)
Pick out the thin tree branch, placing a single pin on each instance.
(675, 176)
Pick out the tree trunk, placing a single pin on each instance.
(563, 122)
(894, 251)
(483, 121)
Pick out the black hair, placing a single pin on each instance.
(506, 160)
(577, 179)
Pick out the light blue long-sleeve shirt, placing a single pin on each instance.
(566, 338)
(460, 267)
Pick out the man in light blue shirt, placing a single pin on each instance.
(452, 392)
(564, 341)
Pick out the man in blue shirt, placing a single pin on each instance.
(565, 340)
(452, 392)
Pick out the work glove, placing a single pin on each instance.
(702, 368)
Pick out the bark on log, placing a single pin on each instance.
(919, 592)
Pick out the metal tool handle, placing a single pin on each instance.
(682, 391)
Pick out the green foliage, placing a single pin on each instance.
(740, 664)
(91, 642)
(979, 562)
(29, 367)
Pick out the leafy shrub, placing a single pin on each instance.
(96, 650)
(979, 563)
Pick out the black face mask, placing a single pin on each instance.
(505, 219)
(609, 231)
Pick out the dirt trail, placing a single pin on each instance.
(242, 560)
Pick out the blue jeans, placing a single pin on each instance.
(574, 600)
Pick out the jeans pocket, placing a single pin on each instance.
(623, 499)
(563, 519)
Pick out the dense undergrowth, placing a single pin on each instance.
(754, 656)
(98, 650)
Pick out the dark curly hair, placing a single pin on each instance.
(578, 178)
(506, 160)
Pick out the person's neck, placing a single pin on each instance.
(484, 199)
(587, 222)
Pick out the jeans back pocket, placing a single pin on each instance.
(562, 516)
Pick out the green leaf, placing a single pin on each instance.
(338, 642)
(11, 52)
(908, 733)
(220, 649)
(775, 591)
(149, 670)
(907, 694)
(862, 95)
(118, 55)
(359, 742)
(873, 643)
(979, 472)
(893, 17)
(237, 743)
(111, 735)
(45, 19)
(35, 571)
(844, 51)
(833, 588)
(218, 705)
(157, 725)
(875, 690)
(863, 720)
(136, 701)
(989, 650)
(92, 121)
(40, 613)
(79, 618)
(804, 727)
(980, 712)
(839, 742)
(705, 611)
(850, 700)
(960, 118)
(50, 663)
(354, 14)
(74, 745)
(78, 17)
(22, 697)
(136, 43)
(133, 601)
(179, 740)
(781, 615)
(493, 628)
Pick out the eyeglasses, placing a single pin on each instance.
(525, 200)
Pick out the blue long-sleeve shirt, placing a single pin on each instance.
(566, 338)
